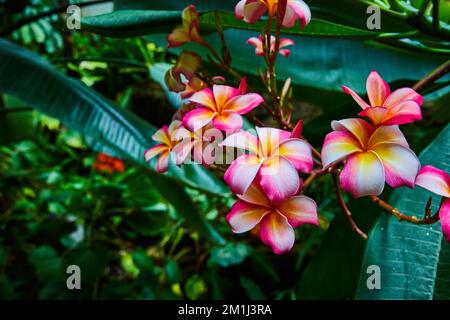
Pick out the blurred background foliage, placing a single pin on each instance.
(71, 191)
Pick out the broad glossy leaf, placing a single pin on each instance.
(107, 128)
(333, 271)
(129, 23)
(414, 259)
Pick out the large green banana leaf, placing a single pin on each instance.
(105, 126)
(315, 62)
(414, 259)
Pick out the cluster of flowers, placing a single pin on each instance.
(266, 177)
(376, 152)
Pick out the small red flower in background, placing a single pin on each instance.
(106, 163)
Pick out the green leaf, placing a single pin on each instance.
(47, 263)
(130, 23)
(333, 271)
(186, 208)
(105, 126)
(195, 287)
(252, 289)
(414, 259)
(230, 255)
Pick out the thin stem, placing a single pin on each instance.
(434, 75)
(423, 7)
(429, 219)
(436, 22)
(344, 207)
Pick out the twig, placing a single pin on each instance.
(344, 207)
(403, 217)
(434, 75)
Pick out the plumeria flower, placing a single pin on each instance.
(223, 106)
(399, 107)
(258, 44)
(275, 155)
(201, 143)
(438, 181)
(167, 144)
(182, 78)
(276, 219)
(188, 31)
(373, 155)
(252, 10)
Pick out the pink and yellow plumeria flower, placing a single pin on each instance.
(276, 219)
(438, 181)
(373, 155)
(252, 10)
(167, 144)
(275, 155)
(399, 107)
(188, 31)
(201, 143)
(258, 44)
(223, 106)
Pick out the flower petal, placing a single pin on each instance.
(270, 138)
(387, 134)
(241, 173)
(377, 89)
(242, 140)
(375, 114)
(401, 95)
(435, 180)
(154, 151)
(244, 216)
(285, 52)
(279, 179)
(256, 195)
(174, 125)
(178, 37)
(198, 118)
(356, 97)
(444, 216)
(253, 10)
(204, 98)
(298, 130)
(244, 103)
(403, 113)
(338, 145)
(162, 135)
(239, 9)
(285, 42)
(182, 150)
(222, 94)
(400, 164)
(299, 210)
(296, 9)
(257, 43)
(298, 152)
(163, 162)
(363, 175)
(361, 129)
(277, 233)
(228, 121)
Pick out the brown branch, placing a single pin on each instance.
(429, 219)
(344, 207)
(434, 75)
